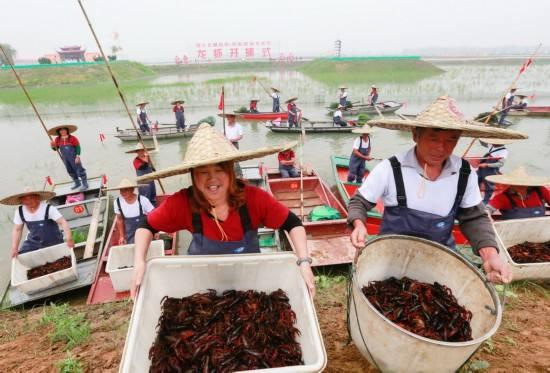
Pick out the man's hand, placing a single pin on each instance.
(496, 269)
(359, 234)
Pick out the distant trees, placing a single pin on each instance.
(44, 61)
(10, 52)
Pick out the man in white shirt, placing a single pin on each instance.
(343, 96)
(233, 130)
(130, 210)
(426, 188)
(491, 164)
(142, 117)
(276, 99)
(507, 103)
(42, 221)
(360, 154)
(337, 117)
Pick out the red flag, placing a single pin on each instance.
(532, 97)
(101, 137)
(104, 179)
(49, 180)
(221, 104)
(523, 67)
(529, 62)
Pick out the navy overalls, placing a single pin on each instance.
(276, 103)
(68, 153)
(131, 224)
(143, 123)
(482, 173)
(357, 165)
(507, 106)
(337, 120)
(524, 212)
(374, 98)
(149, 191)
(343, 100)
(180, 118)
(42, 233)
(249, 244)
(403, 220)
(292, 115)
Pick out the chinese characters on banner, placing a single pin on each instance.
(206, 52)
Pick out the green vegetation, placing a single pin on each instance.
(334, 72)
(225, 67)
(231, 79)
(70, 365)
(71, 329)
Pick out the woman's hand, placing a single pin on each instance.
(139, 271)
(496, 269)
(70, 243)
(359, 234)
(307, 274)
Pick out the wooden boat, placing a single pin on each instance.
(340, 168)
(386, 107)
(311, 127)
(283, 115)
(161, 133)
(80, 216)
(102, 288)
(531, 111)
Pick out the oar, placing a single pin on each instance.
(92, 230)
(302, 139)
(115, 82)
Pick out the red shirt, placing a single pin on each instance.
(176, 109)
(139, 163)
(501, 201)
(286, 155)
(174, 214)
(71, 140)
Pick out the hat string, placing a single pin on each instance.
(224, 235)
(422, 188)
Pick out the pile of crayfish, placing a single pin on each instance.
(237, 330)
(428, 310)
(530, 252)
(49, 267)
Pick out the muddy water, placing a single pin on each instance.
(27, 159)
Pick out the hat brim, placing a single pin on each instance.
(137, 150)
(289, 145)
(15, 199)
(275, 89)
(70, 128)
(366, 129)
(177, 102)
(517, 181)
(187, 166)
(143, 103)
(472, 129)
(126, 187)
(290, 100)
(497, 141)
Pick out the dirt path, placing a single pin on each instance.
(521, 345)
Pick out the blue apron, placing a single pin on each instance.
(143, 124)
(293, 118)
(200, 245)
(344, 101)
(403, 220)
(75, 170)
(42, 233)
(507, 106)
(357, 168)
(524, 212)
(180, 118)
(482, 173)
(374, 99)
(276, 104)
(131, 224)
(149, 191)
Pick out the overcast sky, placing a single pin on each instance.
(159, 30)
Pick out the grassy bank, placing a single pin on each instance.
(335, 72)
(226, 67)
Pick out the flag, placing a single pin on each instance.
(532, 97)
(101, 137)
(525, 65)
(222, 102)
(49, 180)
(104, 179)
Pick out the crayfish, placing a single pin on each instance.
(530, 252)
(50, 267)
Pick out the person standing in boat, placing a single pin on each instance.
(276, 99)
(507, 103)
(42, 220)
(337, 117)
(130, 210)
(343, 96)
(287, 162)
(69, 148)
(253, 108)
(491, 164)
(426, 188)
(143, 166)
(142, 117)
(360, 154)
(294, 113)
(179, 112)
(373, 95)
(525, 196)
(222, 213)
(233, 130)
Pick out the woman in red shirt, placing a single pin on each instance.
(222, 213)
(525, 197)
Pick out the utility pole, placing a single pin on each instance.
(338, 48)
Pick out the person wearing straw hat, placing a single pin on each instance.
(337, 117)
(222, 213)
(179, 112)
(130, 210)
(143, 166)
(360, 154)
(276, 99)
(522, 103)
(491, 164)
(426, 188)
(69, 147)
(42, 221)
(294, 113)
(142, 117)
(233, 130)
(253, 108)
(507, 103)
(343, 96)
(526, 196)
(373, 95)
(287, 163)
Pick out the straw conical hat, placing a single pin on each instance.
(255, 99)
(519, 177)
(373, 86)
(126, 183)
(143, 103)
(177, 102)
(70, 128)
(294, 98)
(15, 199)
(444, 114)
(206, 147)
(497, 141)
(275, 89)
(139, 147)
(289, 145)
(364, 129)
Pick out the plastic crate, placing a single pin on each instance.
(123, 256)
(23, 262)
(182, 276)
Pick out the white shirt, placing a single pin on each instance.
(437, 197)
(344, 94)
(139, 111)
(275, 95)
(131, 211)
(232, 132)
(38, 215)
(337, 113)
(364, 144)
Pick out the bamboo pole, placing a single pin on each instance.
(223, 110)
(115, 82)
